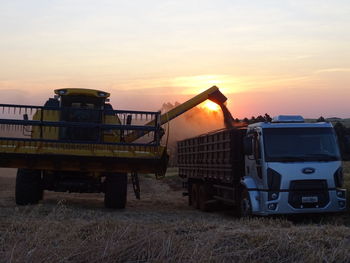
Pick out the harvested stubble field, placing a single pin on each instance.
(158, 228)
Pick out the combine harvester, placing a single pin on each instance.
(77, 142)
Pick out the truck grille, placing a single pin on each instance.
(304, 193)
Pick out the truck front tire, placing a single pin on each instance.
(116, 190)
(245, 204)
(29, 188)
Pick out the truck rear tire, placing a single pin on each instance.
(29, 188)
(195, 195)
(203, 198)
(116, 186)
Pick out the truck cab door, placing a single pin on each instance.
(258, 155)
(254, 163)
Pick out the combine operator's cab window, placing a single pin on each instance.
(83, 109)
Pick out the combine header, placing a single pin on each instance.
(77, 142)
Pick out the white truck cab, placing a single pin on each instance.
(293, 167)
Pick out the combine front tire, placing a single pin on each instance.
(116, 190)
(28, 187)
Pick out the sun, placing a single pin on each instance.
(211, 106)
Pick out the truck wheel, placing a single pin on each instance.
(245, 205)
(116, 186)
(28, 187)
(203, 198)
(195, 195)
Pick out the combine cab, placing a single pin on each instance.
(77, 142)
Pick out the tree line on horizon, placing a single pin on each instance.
(267, 118)
(253, 119)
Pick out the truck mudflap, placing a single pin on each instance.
(249, 183)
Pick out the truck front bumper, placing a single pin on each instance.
(336, 202)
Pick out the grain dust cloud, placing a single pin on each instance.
(193, 123)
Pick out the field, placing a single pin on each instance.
(159, 228)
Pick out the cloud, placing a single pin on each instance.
(333, 70)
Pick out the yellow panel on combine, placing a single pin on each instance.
(82, 157)
(46, 133)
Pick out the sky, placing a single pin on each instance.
(274, 56)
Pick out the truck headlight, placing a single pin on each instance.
(273, 179)
(274, 184)
(339, 178)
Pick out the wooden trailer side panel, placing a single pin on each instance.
(216, 156)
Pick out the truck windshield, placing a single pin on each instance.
(300, 145)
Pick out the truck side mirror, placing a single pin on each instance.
(248, 145)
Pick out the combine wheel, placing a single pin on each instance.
(116, 190)
(29, 188)
(195, 195)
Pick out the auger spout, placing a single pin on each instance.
(212, 94)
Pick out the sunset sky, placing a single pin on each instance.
(280, 57)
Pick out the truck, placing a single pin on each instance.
(76, 142)
(285, 166)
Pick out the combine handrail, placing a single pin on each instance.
(76, 124)
(35, 107)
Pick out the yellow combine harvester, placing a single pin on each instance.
(77, 142)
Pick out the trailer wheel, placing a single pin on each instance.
(116, 190)
(203, 198)
(245, 205)
(195, 195)
(29, 188)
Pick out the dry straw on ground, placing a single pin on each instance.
(159, 228)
